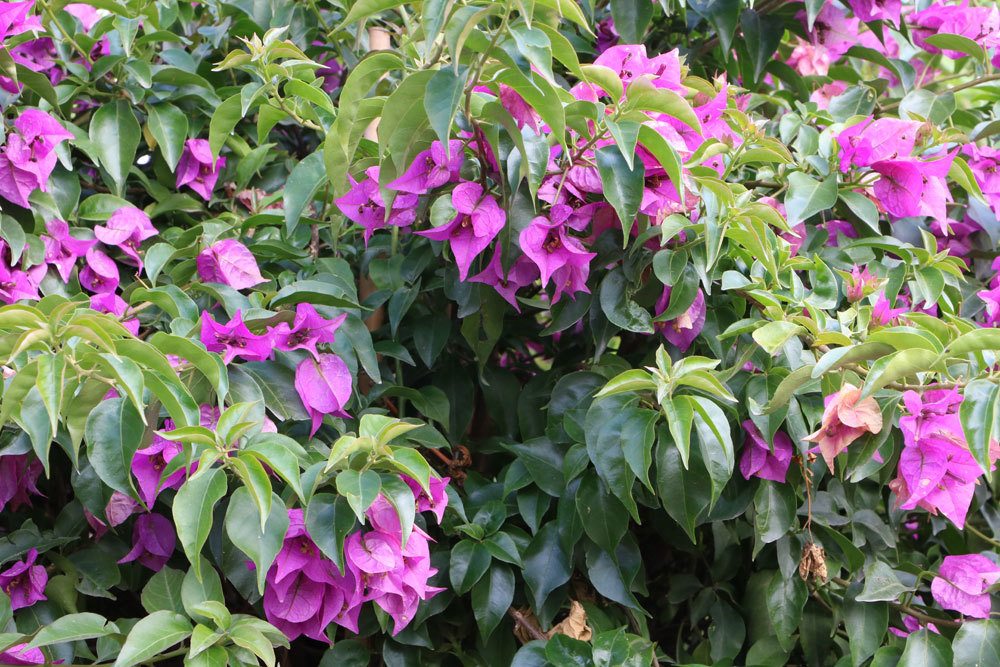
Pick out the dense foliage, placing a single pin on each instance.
(534, 332)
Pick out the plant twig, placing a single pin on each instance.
(526, 623)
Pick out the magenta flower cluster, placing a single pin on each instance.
(553, 250)
(936, 469)
(323, 380)
(306, 592)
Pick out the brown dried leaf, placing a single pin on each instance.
(574, 625)
(813, 563)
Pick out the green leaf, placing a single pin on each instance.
(115, 133)
(280, 453)
(977, 643)
(163, 591)
(924, 104)
(807, 196)
(761, 34)
(546, 564)
(71, 628)
(257, 482)
(773, 335)
(404, 129)
(666, 155)
(469, 562)
(315, 292)
(898, 366)
(604, 78)
(210, 365)
(622, 184)
(214, 656)
(644, 96)
(636, 379)
(151, 636)
(329, 520)
(684, 490)
(192, 511)
(224, 120)
(950, 42)
(50, 382)
(564, 650)
(129, 379)
(723, 15)
(491, 598)
(855, 101)
(409, 462)
(926, 649)
(774, 511)
(631, 19)
(977, 340)
(444, 92)
(169, 126)
(881, 584)
(980, 417)
(618, 306)
(195, 593)
(569, 10)
(243, 528)
(360, 489)
(866, 625)
(786, 597)
(38, 83)
(600, 512)
(114, 432)
(715, 441)
(301, 187)
(365, 8)
(174, 396)
(863, 207)
(338, 148)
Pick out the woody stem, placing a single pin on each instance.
(525, 622)
(906, 609)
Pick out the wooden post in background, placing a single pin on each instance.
(378, 40)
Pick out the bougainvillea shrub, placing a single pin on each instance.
(483, 333)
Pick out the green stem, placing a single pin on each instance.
(160, 658)
(66, 36)
(954, 89)
(981, 535)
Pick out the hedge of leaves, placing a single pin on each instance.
(534, 332)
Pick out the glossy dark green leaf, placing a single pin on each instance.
(977, 643)
(786, 596)
(622, 184)
(115, 133)
(169, 126)
(546, 564)
(492, 597)
(243, 528)
(192, 511)
(113, 433)
(926, 649)
(330, 519)
(469, 562)
(301, 187)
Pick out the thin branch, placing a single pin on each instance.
(526, 623)
(968, 84)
